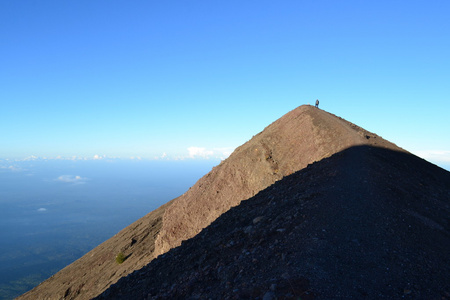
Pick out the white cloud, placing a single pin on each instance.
(42, 209)
(203, 153)
(11, 168)
(60, 157)
(162, 156)
(31, 157)
(224, 152)
(71, 179)
(438, 156)
(199, 152)
(15, 168)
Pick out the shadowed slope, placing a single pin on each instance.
(299, 138)
(365, 223)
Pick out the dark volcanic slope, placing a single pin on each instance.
(366, 223)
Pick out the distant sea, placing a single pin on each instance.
(54, 211)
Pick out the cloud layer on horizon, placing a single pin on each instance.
(203, 153)
(440, 156)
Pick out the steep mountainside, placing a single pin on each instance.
(299, 138)
(365, 223)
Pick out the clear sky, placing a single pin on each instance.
(176, 79)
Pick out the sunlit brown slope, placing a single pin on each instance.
(299, 138)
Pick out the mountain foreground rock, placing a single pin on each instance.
(365, 223)
(365, 219)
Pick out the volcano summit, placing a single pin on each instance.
(313, 207)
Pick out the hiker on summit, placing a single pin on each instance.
(317, 103)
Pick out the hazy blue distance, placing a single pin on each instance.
(53, 212)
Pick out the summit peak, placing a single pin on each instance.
(300, 137)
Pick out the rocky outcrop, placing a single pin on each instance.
(365, 223)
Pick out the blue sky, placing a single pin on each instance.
(180, 79)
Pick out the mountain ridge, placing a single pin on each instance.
(299, 138)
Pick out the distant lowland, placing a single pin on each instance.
(312, 207)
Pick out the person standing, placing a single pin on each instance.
(317, 103)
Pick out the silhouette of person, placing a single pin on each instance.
(317, 103)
